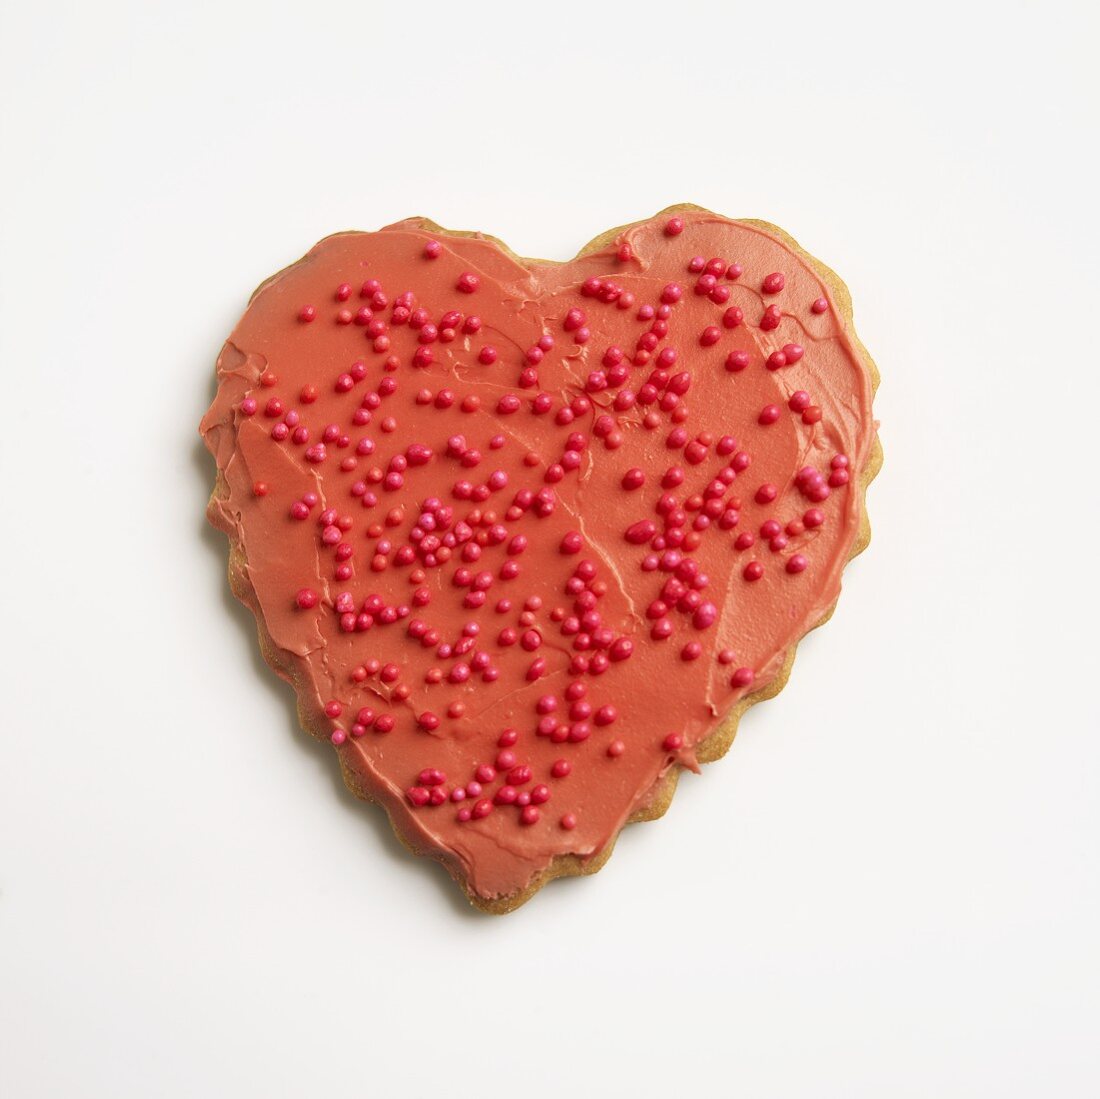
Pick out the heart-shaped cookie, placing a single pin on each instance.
(529, 537)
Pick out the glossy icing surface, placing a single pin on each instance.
(523, 533)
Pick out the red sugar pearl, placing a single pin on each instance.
(260, 488)
(674, 227)
(800, 400)
(743, 677)
(568, 822)
(679, 383)
(616, 749)
(771, 318)
(306, 598)
(307, 313)
(561, 768)
(633, 478)
(710, 336)
(766, 493)
(796, 564)
(776, 360)
(811, 415)
(506, 795)
(673, 742)
(433, 249)
(736, 361)
(768, 414)
(467, 282)
(773, 283)
(753, 570)
(819, 306)
(792, 352)
(519, 775)
(572, 542)
(705, 616)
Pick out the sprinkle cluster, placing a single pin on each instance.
(409, 514)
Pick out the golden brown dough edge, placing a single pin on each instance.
(713, 747)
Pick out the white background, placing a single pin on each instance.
(889, 887)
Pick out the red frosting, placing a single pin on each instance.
(523, 534)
